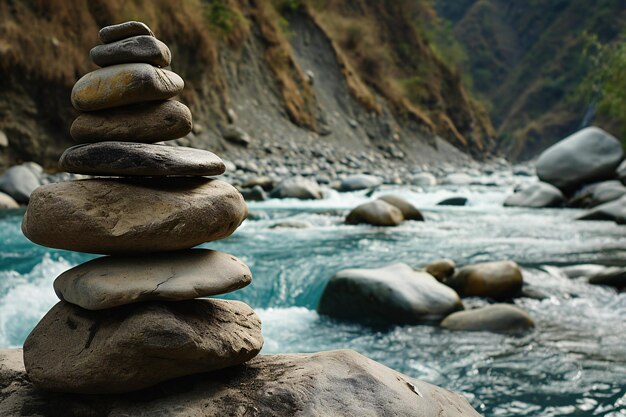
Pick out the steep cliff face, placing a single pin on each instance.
(371, 81)
(526, 59)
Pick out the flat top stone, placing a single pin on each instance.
(139, 159)
(146, 49)
(124, 84)
(120, 31)
(138, 345)
(132, 216)
(325, 384)
(112, 281)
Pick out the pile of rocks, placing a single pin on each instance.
(132, 319)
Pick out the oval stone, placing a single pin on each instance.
(497, 318)
(376, 213)
(139, 159)
(130, 216)
(144, 122)
(146, 49)
(113, 281)
(139, 345)
(124, 30)
(120, 85)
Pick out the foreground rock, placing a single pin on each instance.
(612, 211)
(537, 195)
(145, 122)
(441, 269)
(7, 202)
(588, 155)
(137, 346)
(125, 216)
(376, 213)
(359, 182)
(613, 277)
(142, 49)
(409, 211)
(327, 384)
(599, 193)
(124, 84)
(298, 187)
(19, 182)
(140, 159)
(497, 318)
(498, 280)
(392, 294)
(184, 275)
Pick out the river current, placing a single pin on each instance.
(572, 364)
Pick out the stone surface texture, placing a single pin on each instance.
(136, 49)
(496, 318)
(498, 280)
(124, 30)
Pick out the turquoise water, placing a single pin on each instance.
(573, 364)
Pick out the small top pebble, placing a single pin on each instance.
(124, 30)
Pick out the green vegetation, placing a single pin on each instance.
(223, 18)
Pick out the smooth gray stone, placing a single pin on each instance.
(392, 294)
(136, 346)
(536, 195)
(589, 155)
(613, 277)
(621, 172)
(499, 280)
(19, 182)
(124, 84)
(146, 49)
(359, 182)
(598, 193)
(424, 179)
(326, 384)
(298, 187)
(124, 30)
(376, 213)
(113, 281)
(139, 159)
(612, 211)
(409, 211)
(497, 318)
(236, 135)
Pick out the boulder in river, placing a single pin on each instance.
(129, 216)
(376, 213)
(114, 281)
(589, 155)
(441, 269)
(536, 195)
(453, 201)
(613, 277)
(498, 280)
(7, 202)
(409, 211)
(298, 187)
(598, 193)
(136, 346)
(359, 182)
(497, 318)
(392, 294)
(19, 182)
(340, 382)
(423, 179)
(612, 211)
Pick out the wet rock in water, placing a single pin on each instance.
(262, 181)
(298, 187)
(453, 201)
(255, 193)
(499, 280)
(113, 281)
(441, 269)
(536, 195)
(124, 84)
(593, 195)
(409, 211)
(124, 30)
(321, 384)
(391, 294)
(497, 318)
(19, 182)
(126, 216)
(359, 182)
(424, 179)
(236, 135)
(139, 159)
(583, 270)
(612, 211)
(376, 213)
(136, 49)
(533, 293)
(613, 277)
(139, 345)
(291, 224)
(145, 122)
(589, 155)
(7, 202)
(458, 178)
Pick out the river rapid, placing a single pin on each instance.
(572, 364)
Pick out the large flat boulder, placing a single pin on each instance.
(496, 318)
(498, 280)
(612, 211)
(325, 384)
(598, 193)
(113, 281)
(536, 195)
(137, 346)
(127, 159)
(589, 155)
(392, 294)
(126, 216)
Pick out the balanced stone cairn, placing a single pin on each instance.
(132, 319)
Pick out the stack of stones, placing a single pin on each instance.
(132, 319)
